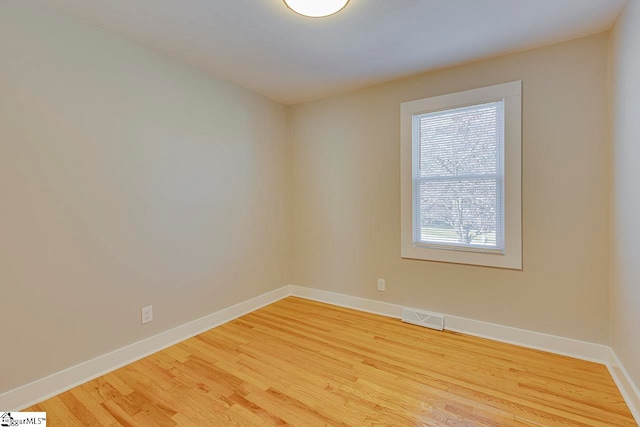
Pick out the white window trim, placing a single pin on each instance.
(511, 93)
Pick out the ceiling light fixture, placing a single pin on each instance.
(316, 8)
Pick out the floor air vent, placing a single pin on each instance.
(423, 318)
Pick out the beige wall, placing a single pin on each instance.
(346, 198)
(625, 286)
(126, 179)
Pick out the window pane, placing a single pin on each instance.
(458, 212)
(463, 141)
(458, 203)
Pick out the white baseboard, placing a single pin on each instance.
(347, 301)
(62, 381)
(42, 389)
(537, 340)
(551, 343)
(624, 382)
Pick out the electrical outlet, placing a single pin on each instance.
(147, 314)
(381, 285)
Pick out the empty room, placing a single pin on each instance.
(320, 213)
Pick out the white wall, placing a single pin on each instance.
(625, 286)
(346, 196)
(126, 179)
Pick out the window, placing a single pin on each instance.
(461, 177)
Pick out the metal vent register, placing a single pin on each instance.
(423, 318)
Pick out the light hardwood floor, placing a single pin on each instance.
(309, 364)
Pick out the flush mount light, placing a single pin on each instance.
(316, 8)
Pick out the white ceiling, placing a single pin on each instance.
(263, 46)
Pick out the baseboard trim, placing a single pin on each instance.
(59, 382)
(347, 301)
(625, 384)
(536, 340)
(591, 352)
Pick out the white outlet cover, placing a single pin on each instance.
(381, 284)
(147, 314)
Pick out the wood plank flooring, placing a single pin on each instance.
(298, 362)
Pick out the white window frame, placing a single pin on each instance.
(511, 257)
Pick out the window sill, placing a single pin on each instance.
(508, 259)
